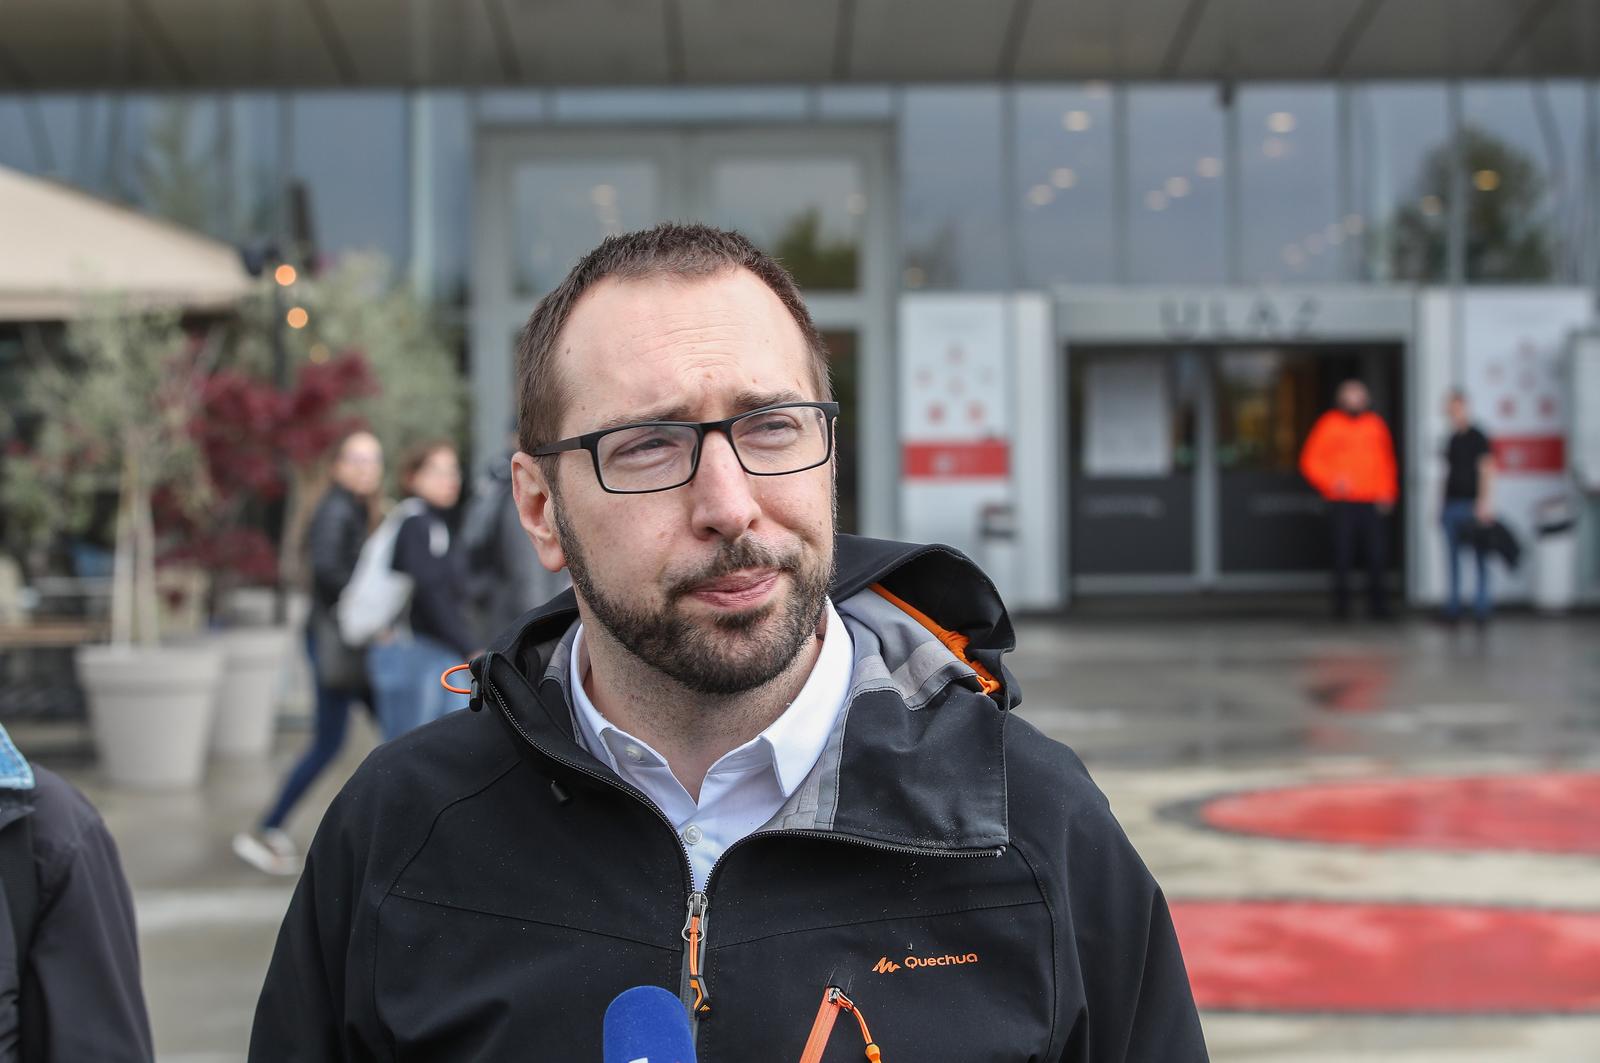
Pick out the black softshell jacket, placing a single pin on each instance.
(483, 887)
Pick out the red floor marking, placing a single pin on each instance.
(1537, 813)
(1305, 956)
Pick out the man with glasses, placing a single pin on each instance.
(765, 766)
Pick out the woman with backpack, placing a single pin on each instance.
(431, 633)
(339, 525)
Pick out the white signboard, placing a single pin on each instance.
(1508, 351)
(1127, 430)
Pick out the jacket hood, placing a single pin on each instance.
(917, 701)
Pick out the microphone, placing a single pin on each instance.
(647, 1024)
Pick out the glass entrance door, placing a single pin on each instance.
(1272, 524)
(816, 199)
(1135, 435)
(1185, 463)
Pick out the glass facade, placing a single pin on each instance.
(1175, 192)
(1034, 186)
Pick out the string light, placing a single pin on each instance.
(285, 275)
(297, 317)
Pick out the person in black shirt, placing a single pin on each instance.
(433, 633)
(1469, 481)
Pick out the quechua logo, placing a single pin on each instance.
(887, 966)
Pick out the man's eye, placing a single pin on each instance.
(644, 447)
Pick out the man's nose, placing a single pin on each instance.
(723, 503)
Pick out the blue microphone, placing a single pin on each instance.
(647, 1024)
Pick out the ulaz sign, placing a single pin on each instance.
(1260, 317)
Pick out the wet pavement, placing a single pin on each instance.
(1380, 843)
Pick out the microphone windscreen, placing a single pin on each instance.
(647, 1024)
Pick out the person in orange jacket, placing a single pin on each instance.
(1349, 459)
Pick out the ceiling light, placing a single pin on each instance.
(1076, 121)
(1486, 180)
(1280, 122)
(1208, 166)
(1041, 195)
(1177, 187)
(1431, 205)
(1155, 200)
(1274, 147)
(1063, 177)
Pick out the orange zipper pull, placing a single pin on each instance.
(694, 935)
(833, 1002)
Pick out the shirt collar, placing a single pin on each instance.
(790, 745)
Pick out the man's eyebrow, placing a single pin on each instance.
(742, 402)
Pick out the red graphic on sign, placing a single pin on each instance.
(936, 413)
(1530, 454)
(1508, 407)
(984, 459)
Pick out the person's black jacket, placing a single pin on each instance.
(74, 993)
(425, 551)
(339, 526)
(483, 887)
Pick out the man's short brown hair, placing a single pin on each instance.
(668, 250)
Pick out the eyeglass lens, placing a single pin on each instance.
(768, 442)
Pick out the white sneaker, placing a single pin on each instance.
(269, 850)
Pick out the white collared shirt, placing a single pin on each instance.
(747, 785)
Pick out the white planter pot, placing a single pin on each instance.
(151, 709)
(254, 660)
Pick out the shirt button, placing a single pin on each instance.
(633, 753)
(692, 834)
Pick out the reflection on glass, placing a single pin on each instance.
(1521, 149)
(842, 370)
(1268, 403)
(953, 216)
(350, 150)
(562, 208)
(1175, 202)
(1063, 197)
(1398, 132)
(808, 213)
(1291, 224)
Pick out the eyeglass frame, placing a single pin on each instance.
(590, 441)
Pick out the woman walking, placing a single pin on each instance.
(433, 633)
(339, 526)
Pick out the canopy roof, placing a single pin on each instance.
(60, 247)
(194, 44)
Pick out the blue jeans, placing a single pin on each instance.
(1460, 521)
(405, 675)
(333, 712)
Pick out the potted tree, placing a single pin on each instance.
(254, 439)
(116, 407)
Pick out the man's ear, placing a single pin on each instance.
(535, 502)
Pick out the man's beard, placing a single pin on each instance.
(731, 656)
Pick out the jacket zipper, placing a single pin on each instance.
(695, 991)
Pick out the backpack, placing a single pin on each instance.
(376, 596)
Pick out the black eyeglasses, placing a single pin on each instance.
(776, 440)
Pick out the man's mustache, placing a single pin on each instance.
(730, 558)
